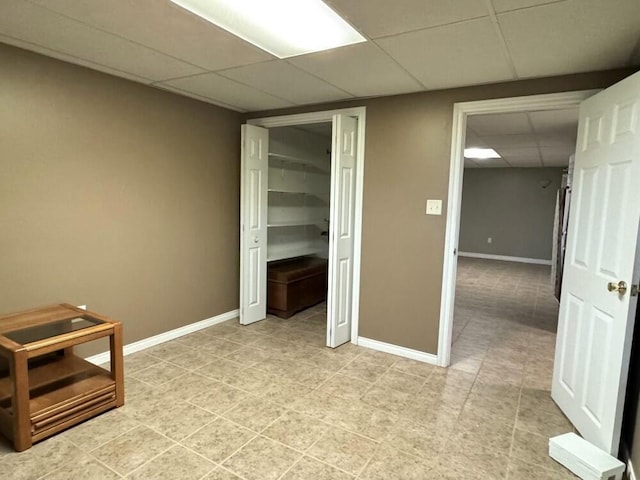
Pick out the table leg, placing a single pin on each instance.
(19, 367)
(117, 363)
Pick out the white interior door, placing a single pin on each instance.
(253, 224)
(342, 227)
(595, 324)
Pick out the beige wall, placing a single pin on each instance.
(408, 145)
(115, 195)
(510, 206)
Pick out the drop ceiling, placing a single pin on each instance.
(524, 139)
(413, 45)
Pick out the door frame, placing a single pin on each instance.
(327, 116)
(551, 101)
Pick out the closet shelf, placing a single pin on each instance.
(299, 161)
(292, 253)
(296, 223)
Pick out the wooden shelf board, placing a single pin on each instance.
(52, 370)
(292, 253)
(299, 161)
(296, 223)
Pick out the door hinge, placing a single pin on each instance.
(635, 289)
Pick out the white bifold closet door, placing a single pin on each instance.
(253, 224)
(342, 227)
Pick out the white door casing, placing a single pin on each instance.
(253, 223)
(342, 230)
(595, 325)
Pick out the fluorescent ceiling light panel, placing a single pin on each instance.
(480, 153)
(284, 28)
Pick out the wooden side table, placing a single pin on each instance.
(44, 387)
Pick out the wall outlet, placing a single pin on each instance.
(434, 207)
(489, 240)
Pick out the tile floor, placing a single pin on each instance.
(269, 402)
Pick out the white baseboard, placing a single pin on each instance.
(505, 258)
(631, 471)
(166, 336)
(398, 350)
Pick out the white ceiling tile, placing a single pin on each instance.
(165, 27)
(513, 153)
(33, 24)
(525, 163)
(508, 5)
(498, 141)
(554, 120)
(283, 80)
(559, 152)
(378, 18)
(451, 56)
(500, 124)
(560, 138)
(362, 69)
(556, 162)
(473, 140)
(226, 91)
(571, 36)
(492, 163)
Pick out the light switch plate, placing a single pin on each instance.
(434, 207)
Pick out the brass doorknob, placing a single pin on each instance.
(620, 287)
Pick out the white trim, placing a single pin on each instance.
(505, 258)
(551, 101)
(630, 470)
(327, 116)
(398, 350)
(149, 342)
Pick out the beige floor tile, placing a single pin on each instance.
(255, 413)
(416, 439)
(99, 430)
(296, 430)
(167, 351)
(219, 439)
(87, 468)
(534, 449)
(186, 386)
(387, 399)
(362, 370)
(221, 474)
(159, 373)
(400, 381)
(413, 367)
(283, 391)
(388, 463)
(218, 398)
(44, 457)
(250, 380)
(220, 370)
(349, 388)
(139, 361)
(177, 463)
(180, 420)
(311, 469)
(344, 450)
(542, 423)
(262, 459)
(193, 358)
(132, 449)
(524, 471)
(468, 457)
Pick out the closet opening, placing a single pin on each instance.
(301, 211)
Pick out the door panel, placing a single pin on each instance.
(253, 234)
(595, 325)
(341, 248)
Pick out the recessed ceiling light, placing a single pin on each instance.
(284, 28)
(480, 153)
